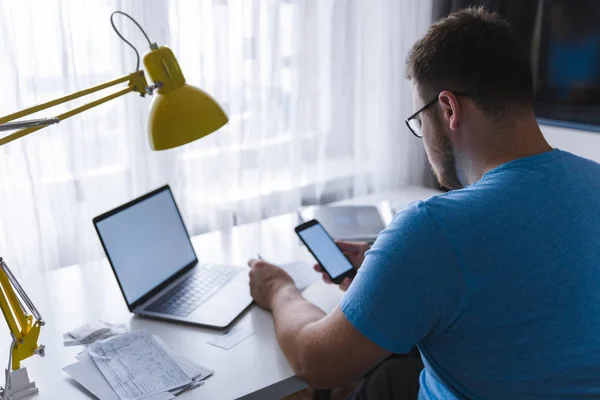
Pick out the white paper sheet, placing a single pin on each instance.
(87, 374)
(136, 366)
(231, 338)
(302, 273)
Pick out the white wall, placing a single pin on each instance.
(582, 143)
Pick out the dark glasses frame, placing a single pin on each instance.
(420, 110)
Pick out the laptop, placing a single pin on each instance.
(350, 223)
(157, 269)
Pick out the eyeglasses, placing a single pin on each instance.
(414, 121)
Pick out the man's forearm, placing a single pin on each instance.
(293, 316)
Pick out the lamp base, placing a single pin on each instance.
(18, 385)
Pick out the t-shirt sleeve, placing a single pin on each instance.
(409, 287)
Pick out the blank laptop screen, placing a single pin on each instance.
(147, 243)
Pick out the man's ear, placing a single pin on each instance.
(451, 110)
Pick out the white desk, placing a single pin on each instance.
(255, 368)
(397, 199)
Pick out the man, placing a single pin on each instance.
(498, 283)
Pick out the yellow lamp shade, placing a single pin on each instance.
(182, 116)
(180, 113)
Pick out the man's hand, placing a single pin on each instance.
(355, 252)
(325, 351)
(266, 280)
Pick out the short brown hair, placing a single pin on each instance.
(476, 52)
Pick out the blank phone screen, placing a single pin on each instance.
(325, 250)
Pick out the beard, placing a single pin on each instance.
(442, 159)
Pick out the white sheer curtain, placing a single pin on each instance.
(315, 91)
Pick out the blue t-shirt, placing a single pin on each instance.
(498, 284)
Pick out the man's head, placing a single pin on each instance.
(474, 65)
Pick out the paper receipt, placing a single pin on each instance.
(136, 366)
(231, 338)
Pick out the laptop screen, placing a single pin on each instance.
(146, 243)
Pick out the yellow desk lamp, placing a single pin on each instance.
(179, 114)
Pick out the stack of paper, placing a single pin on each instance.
(135, 365)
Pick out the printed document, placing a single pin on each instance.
(136, 366)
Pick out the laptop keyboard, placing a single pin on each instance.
(187, 295)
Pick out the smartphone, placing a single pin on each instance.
(324, 249)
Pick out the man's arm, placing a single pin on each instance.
(325, 351)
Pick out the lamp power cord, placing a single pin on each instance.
(153, 46)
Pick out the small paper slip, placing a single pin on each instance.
(136, 366)
(92, 332)
(232, 337)
(302, 273)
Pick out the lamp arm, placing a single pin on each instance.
(5, 304)
(137, 83)
(13, 126)
(64, 99)
(24, 330)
